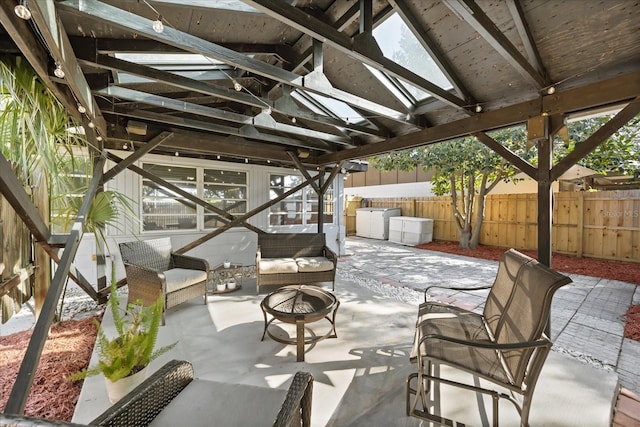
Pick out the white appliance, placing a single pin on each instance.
(411, 231)
(374, 222)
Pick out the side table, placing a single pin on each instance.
(234, 271)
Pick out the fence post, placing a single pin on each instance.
(580, 225)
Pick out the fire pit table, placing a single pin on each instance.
(300, 305)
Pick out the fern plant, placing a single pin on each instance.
(133, 347)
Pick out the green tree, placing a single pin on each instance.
(619, 154)
(464, 168)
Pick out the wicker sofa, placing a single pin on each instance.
(146, 402)
(153, 269)
(294, 259)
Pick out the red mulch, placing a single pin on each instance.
(632, 327)
(67, 350)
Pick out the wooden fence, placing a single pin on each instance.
(604, 224)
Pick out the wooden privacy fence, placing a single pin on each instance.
(603, 224)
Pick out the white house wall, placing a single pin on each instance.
(237, 244)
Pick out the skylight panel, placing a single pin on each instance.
(328, 106)
(399, 44)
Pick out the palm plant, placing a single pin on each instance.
(133, 347)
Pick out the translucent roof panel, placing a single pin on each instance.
(324, 105)
(399, 44)
(194, 66)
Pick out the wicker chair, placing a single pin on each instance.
(505, 345)
(153, 269)
(141, 405)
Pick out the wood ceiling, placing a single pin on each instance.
(501, 57)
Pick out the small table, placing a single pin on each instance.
(234, 271)
(300, 305)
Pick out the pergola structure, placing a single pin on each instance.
(312, 84)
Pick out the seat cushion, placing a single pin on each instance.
(278, 265)
(178, 278)
(311, 264)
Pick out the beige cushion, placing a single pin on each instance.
(178, 278)
(278, 265)
(310, 264)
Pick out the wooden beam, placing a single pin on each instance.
(19, 200)
(303, 170)
(355, 47)
(45, 18)
(26, 373)
(30, 47)
(243, 218)
(471, 13)
(9, 284)
(137, 155)
(193, 44)
(613, 91)
(246, 131)
(588, 145)
(507, 154)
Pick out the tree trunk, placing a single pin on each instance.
(465, 237)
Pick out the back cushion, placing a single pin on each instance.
(154, 254)
(291, 245)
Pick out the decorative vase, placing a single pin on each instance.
(231, 284)
(221, 287)
(118, 389)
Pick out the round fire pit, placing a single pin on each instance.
(300, 305)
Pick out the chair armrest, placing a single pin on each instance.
(296, 408)
(543, 342)
(144, 284)
(455, 288)
(189, 262)
(258, 258)
(142, 404)
(330, 255)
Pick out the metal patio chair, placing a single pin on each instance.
(505, 345)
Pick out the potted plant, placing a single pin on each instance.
(221, 286)
(124, 359)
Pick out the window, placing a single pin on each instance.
(300, 208)
(226, 190)
(163, 209)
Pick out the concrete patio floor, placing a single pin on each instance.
(360, 376)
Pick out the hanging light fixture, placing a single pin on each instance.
(237, 86)
(158, 26)
(478, 108)
(81, 109)
(58, 72)
(551, 90)
(91, 125)
(22, 11)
